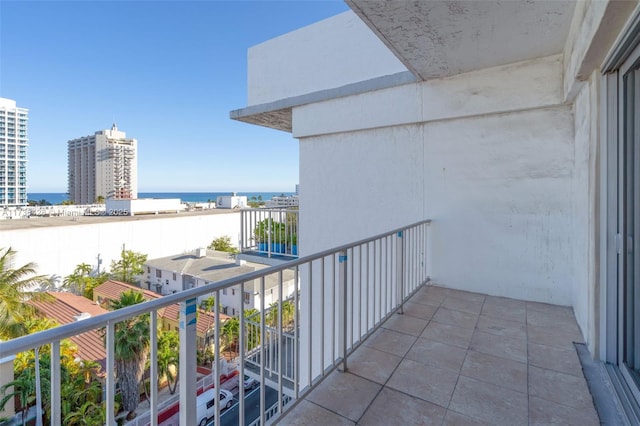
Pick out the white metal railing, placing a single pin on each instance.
(344, 295)
(273, 232)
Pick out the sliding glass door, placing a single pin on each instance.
(629, 222)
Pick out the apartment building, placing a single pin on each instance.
(13, 154)
(102, 165)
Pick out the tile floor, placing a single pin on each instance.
(459, 358)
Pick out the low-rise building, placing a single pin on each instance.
(232, 201)
(171, 274)
(168, 317)
(66, 308)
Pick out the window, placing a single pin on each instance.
(247, 297)
(233, 291)
(158, 273)
(224, 291)
(148, 270)
(167, 282)
(174, 276)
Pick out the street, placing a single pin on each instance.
(251, 408)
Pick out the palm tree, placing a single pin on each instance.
(230, 331)
(131, 350)
(23, 388)
(15, 289)
(169, 358)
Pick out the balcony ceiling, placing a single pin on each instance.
(442, 38)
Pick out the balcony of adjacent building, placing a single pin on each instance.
(269, 235)
(364, 338)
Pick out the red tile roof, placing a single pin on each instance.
(63, 307)
(112, 289)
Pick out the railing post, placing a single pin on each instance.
(400, 271)
(111, 376)
(187, 366)
(56, 412)
(154, 368)
(342, 313)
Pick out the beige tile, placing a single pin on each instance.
(553, 336)
(505, 302)
(405, 324)
(391, 406)
(463, 305)
(457, 318)
(345, 394)
(542, 412)
(448, 334)
(502, 327)
(503, 347)
(560, 388)
(498, 371)
(424, 381)
(558, 359)
(505, 309)
(390, 341)
(438, 354)
(309, 414)
(418, 310)
(466, 295)
(372, 364)
(427, 297)
(490, 403)
(456, 419)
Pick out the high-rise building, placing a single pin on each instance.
(13, 154)
(103, 165)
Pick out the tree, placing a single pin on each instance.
(288, 314)
(15, 290)
(81, 281)
(230, 332)
(100, 199)
(129, 266)
(169, 358)
(223, 244)
(131, 350)
(252, 328)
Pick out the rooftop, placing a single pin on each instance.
(456, 357)
(63, 307)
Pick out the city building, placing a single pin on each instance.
(102, 165)
(173, 274)
(233, 201)
(67, 308)
(14, 138)
(279, 201)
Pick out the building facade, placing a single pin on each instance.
(13, 153)
(513, 126)
(103, 165)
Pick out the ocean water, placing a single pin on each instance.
(189, 197)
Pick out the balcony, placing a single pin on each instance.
(368, 338)
(269, 233)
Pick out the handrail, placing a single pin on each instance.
(31, 341)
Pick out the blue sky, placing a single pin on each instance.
(167, 72)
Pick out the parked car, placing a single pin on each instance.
(250, 383)
(206, 404)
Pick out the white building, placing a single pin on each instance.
(141, 206)
(172, 274)
(513, 126)
(104, 164)
(232, 201)
(13, 153)
(282, 201)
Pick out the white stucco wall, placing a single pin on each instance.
(488, 156)
(328, 54)
(59, 249)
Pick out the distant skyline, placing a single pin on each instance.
(166, 72)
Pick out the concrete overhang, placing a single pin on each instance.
(436, 38)
(277, 115)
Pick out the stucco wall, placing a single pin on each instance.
(489, 156)
(59, 249)
(328, 54)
